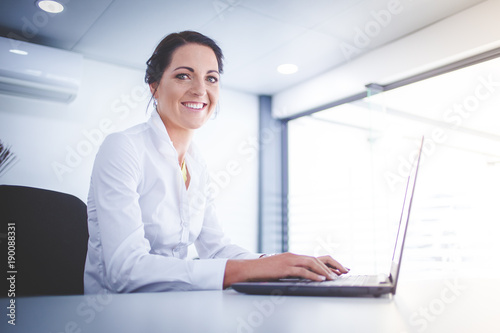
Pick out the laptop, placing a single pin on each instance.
(346, 284)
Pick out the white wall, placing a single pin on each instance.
(467, 33)
(231, 150)
(56, 143)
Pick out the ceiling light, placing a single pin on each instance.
(53, 7)
(287, 68)
(20, 52)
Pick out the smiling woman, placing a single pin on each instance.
(188, 92)
(150, 195)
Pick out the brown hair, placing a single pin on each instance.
(162, 56)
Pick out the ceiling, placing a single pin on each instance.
(255, 35)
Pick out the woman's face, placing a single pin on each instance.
(189, 88)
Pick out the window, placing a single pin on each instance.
(347, 166)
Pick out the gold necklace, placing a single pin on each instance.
(184, 171)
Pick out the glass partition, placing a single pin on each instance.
(348, 166)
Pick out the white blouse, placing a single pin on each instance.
(141, 218)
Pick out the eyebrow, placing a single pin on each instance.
(192, 70)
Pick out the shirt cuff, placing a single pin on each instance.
(208, 274)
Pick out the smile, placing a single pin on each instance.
(194, 105)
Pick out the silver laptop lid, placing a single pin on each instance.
(405, 217)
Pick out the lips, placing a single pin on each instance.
(194, 105)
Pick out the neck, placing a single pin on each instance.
(181, 139)
(181, 143)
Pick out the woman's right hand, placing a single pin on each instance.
(283, 265)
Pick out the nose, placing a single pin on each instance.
(198, 87)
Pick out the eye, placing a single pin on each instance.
(182, 76)
(212, 79)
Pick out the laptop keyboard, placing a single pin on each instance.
(345, 280)
(350, 280)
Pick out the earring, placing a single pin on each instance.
(155, 103)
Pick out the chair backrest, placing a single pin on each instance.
(50, 245)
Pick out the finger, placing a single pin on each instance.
(306, 274)
(327, 269)
(334, 265)
(316, 266)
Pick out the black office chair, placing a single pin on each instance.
(50, 241)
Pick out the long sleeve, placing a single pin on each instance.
(142, 219)
(115, 215)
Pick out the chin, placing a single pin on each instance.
(197, 124)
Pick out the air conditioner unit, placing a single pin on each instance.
(37, 71)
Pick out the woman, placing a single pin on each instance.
(148, 198)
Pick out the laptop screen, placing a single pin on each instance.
(405, 214)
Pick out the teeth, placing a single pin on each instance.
(194, 105)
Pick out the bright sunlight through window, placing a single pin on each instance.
(348, 164)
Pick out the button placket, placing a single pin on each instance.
(184, 215)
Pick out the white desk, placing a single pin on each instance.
(419, 306)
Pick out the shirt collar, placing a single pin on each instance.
(165, 142)
(159, 128)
